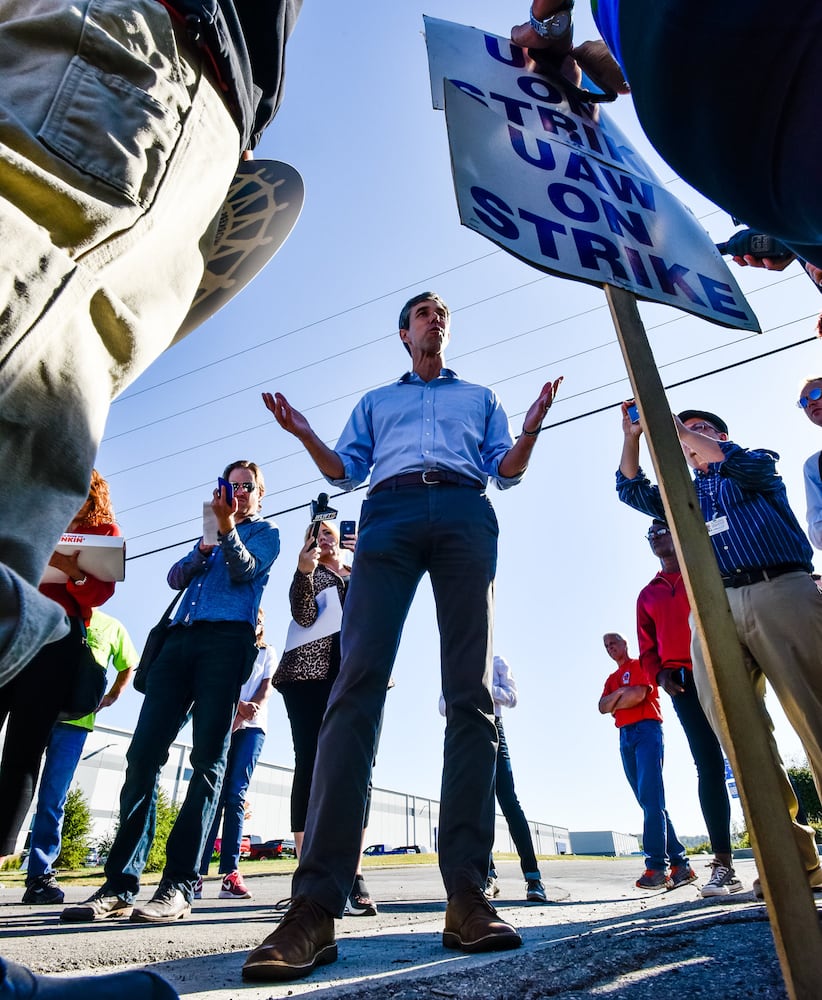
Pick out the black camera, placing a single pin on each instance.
(750, 243)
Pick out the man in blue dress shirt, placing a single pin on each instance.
(430, 442)
(765, 562)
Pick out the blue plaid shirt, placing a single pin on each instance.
(746, 489)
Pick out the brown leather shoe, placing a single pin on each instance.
(303, 940)
(472, 924)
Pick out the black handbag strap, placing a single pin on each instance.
(173, 605)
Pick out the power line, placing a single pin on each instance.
(552, 426)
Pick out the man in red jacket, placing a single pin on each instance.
(664, 631)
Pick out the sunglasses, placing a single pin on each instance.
(813, 395)
(656, 532)
(248, 487)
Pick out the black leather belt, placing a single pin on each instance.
(430, 477)
(758, 575)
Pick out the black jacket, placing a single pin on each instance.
(245, 41)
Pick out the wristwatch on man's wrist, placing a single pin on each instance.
(556, 25)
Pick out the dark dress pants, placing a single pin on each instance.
(200, 670)
(449, 532)
(710, 766)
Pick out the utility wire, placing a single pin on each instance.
(559, 423)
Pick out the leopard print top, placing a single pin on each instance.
(315, 661)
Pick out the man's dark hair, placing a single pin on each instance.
(405, 312)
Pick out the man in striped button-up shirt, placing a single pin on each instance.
(765, 561)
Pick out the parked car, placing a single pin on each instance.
(377, 849)
(270, 849)
(245, 846)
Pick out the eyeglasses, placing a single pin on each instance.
(703, 428)
(812, 395)
(656, 532)
(248, 487)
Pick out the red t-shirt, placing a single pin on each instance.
(631, 674)
(79, 601)
(662, 611)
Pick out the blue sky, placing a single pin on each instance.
(379, 224)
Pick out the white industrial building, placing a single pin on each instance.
(397, 818)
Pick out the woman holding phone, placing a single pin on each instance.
(310, 665)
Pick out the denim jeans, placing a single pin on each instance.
(113, 171)
(62, 756)
(200, 670)
(512, 810)
(243, 753)
(710, 766)
(451, 533)
(642, 748)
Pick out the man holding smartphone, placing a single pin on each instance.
(664, 632)
(765, 562)
(207, 657)
(430, 443)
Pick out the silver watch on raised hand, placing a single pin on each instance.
(555, 25)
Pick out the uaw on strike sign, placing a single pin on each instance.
(552, 180)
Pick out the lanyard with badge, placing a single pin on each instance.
(719, 521)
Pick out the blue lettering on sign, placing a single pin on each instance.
(515, 56)
(544, 158)
(573, 203)
(545, 228)
(513, 107)
(494, 213)
(554, 121)
(604, 258)
(592, 248)
(671, 277)
(721, 296)
(471, 90)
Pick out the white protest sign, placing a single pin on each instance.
(554, 182)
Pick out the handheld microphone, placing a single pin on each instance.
(320, 511)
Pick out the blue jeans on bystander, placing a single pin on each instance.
(642, 748)
(245, 748)
(62, 756)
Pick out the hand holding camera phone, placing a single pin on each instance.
(348, 530)
(224, 486)
(633, 413)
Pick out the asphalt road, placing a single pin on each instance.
(598, 937)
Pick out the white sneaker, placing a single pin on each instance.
(491, 888)
(722, 882)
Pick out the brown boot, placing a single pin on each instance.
(303, 940)
(472, 924)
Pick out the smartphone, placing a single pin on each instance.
(347, 528)
(225, 485)
(633, 413)
(679, 676)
